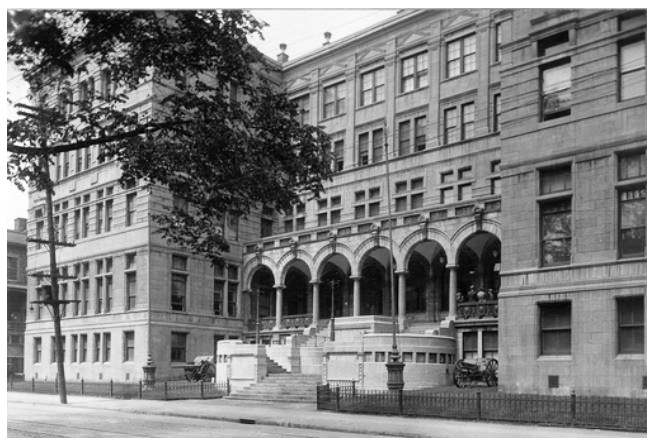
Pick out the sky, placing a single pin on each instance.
(302, 30)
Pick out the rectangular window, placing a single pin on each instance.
(301, 223)
(414, 72)
(288, 225)
(218, 297)
(555, 180)
(322, 219)
(178, 299)
(464, 192)
(495, 186)
(99, 217)
(451, 132)
(97, 347)
(377, 145)
(446, 196)
(633, 221)
(98, 295)
(109, 293)
(179, 262)
(108, 215)
(416, 183)
(465, 173)
(489, 344)
(400, 186)
(128, 346)
(374, 192)
(556, 90)
(75, 348)
(85, 221)
(359, 212)
(78, 161)
(84, 295)
(416, 201)
(374, 209)
(460, 56)
(76, 225)
(266, 227)
(232, 293)
(470, 345)
(338, 155)
(303, 109)
(106, 356)
(404, 138)
(87, 158)
(372, 87)
(178, 347)
(37, 350)
(64, 227)
(83, 348)
(334, 100)
(360, 195)
(497, 112)
(498, 30)
(468, 120)
(553, 44)
(130, 288)
(555, 232)
(12, 268)
(363, 149)
(336, 200)
(631, 325)
(130, 214)
(419, 134)
(335, 216)
(555, 328)
(632, 166)
(401, 204)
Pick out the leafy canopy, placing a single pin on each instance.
(220, 133)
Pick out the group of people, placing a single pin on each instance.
(479, 295)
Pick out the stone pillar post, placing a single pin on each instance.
(402, 275)
(356, 294)
(279, 306)
(315, 302)
(452, 290)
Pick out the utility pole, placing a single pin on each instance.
(43, 115)
(333, 283)
(258, 315)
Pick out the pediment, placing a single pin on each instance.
(371, 54)
(412, 38)
(333, 69)
(459, 20)
(298, 83)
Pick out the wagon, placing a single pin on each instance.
(202, 369)
(468, 373)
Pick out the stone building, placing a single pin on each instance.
(488, 140)
(16, 296)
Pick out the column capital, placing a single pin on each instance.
(451, 266)
(279, 286)
(315, 281)
(401, 272)
(355, 277)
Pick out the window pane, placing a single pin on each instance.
(632, 166)
(632, 56)
(555, 180)
(556, 78)
(632, 84)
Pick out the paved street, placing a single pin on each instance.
(104, 417)
(44, 420)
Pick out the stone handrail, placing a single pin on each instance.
(477, 309)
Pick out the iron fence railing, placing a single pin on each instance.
(160, 390)
(573, 410)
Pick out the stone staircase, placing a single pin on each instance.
(281, 387)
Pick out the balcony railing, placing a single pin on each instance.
(288, 322)
(477, 309)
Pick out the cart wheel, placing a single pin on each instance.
(491, 373)
(458, 374)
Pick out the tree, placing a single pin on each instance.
(221, 136)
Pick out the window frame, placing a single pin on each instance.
(631, 41)
(419, 76)
(639, 348)
(338, 103)
(462, 55)
(376, 89)
(564, 110)
(543, 306)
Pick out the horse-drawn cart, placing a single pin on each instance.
(202, 369)
(469, 373)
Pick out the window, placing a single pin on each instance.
(37, 350)
(12, 268)
(470, 345)
(401, 203)
(99, 294)
(555, 328)
(128, 346)
(555, 232)
(178, 347)
(374, 209)
(464, 192)
(106, 355)
(372, 87)
(83, 348)
(451, 132)
(85, 221)
(335, 216)
(631, 325)
(495, 186)
(78, 162)
(75, 348)
(404, 138)
(416, 201)
(266, 227)
(360, 195)
(77, 220)
(179, 262)
(97, 347)
(632, 166)
(322, 219)
(363, 149)
(84, 294)
(130, 288)
(336, 200)
(105, 84)
(218, 296)
(497, 112)
(99, 217)
(301, 223)
(374, 192)
(131, 209)
(468, 120)
(419, 133)
(303, 109)
(108, 215)
(553, 44)
(460, 56)
(109, 293)
(232, 294)
(414, 72)
(87, 158)
(447, 177)
(334, 100)
(338, 155)
(555, 180)
(377, 145)
(178, 298)
(498, 31)
(446, 195)
(465, 173)
(288, 225)
(632, 68)
(401, 186)
(359, 212)
(633, 220)
(556, 90)
(489, 344)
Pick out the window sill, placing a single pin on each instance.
(422, 88)
(463, 74)
(326, 119)
(555, 358)
(631, 357)
(366, 106)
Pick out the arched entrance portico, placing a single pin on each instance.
(374, 287)
(335, 282)
(297, 297)
(479, 267)
(262, 293)
(426, 295)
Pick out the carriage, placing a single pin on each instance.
(202, 369)
(469, 373)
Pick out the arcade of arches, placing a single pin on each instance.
(425, 291)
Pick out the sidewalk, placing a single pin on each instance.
(307, 416)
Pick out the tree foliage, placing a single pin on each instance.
(221, 135)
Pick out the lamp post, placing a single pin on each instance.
(257, 316)
(333, 283)
(394, 365)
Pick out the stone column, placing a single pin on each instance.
(315, 302)
(452, 289)
(279, 306)
(356, 294)
(402, 274)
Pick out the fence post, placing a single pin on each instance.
(573, 405)
(478, 398)
(165, 390)
(353, 388)
(33, 386)
(228, 387)
(201, 389)
(82, 386)
(400, 401)
(56, 385)
(337, 398)
(140, 389)
(111, 388)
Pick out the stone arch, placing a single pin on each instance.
(250, 267)
(414, 238)
(287, 259)
(322, 255)
(468, 229)
(370, 244)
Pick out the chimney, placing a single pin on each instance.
(327, 36)
(282, 57)
(20, 225)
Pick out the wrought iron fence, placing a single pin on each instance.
(160, 390)
(582, 411)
